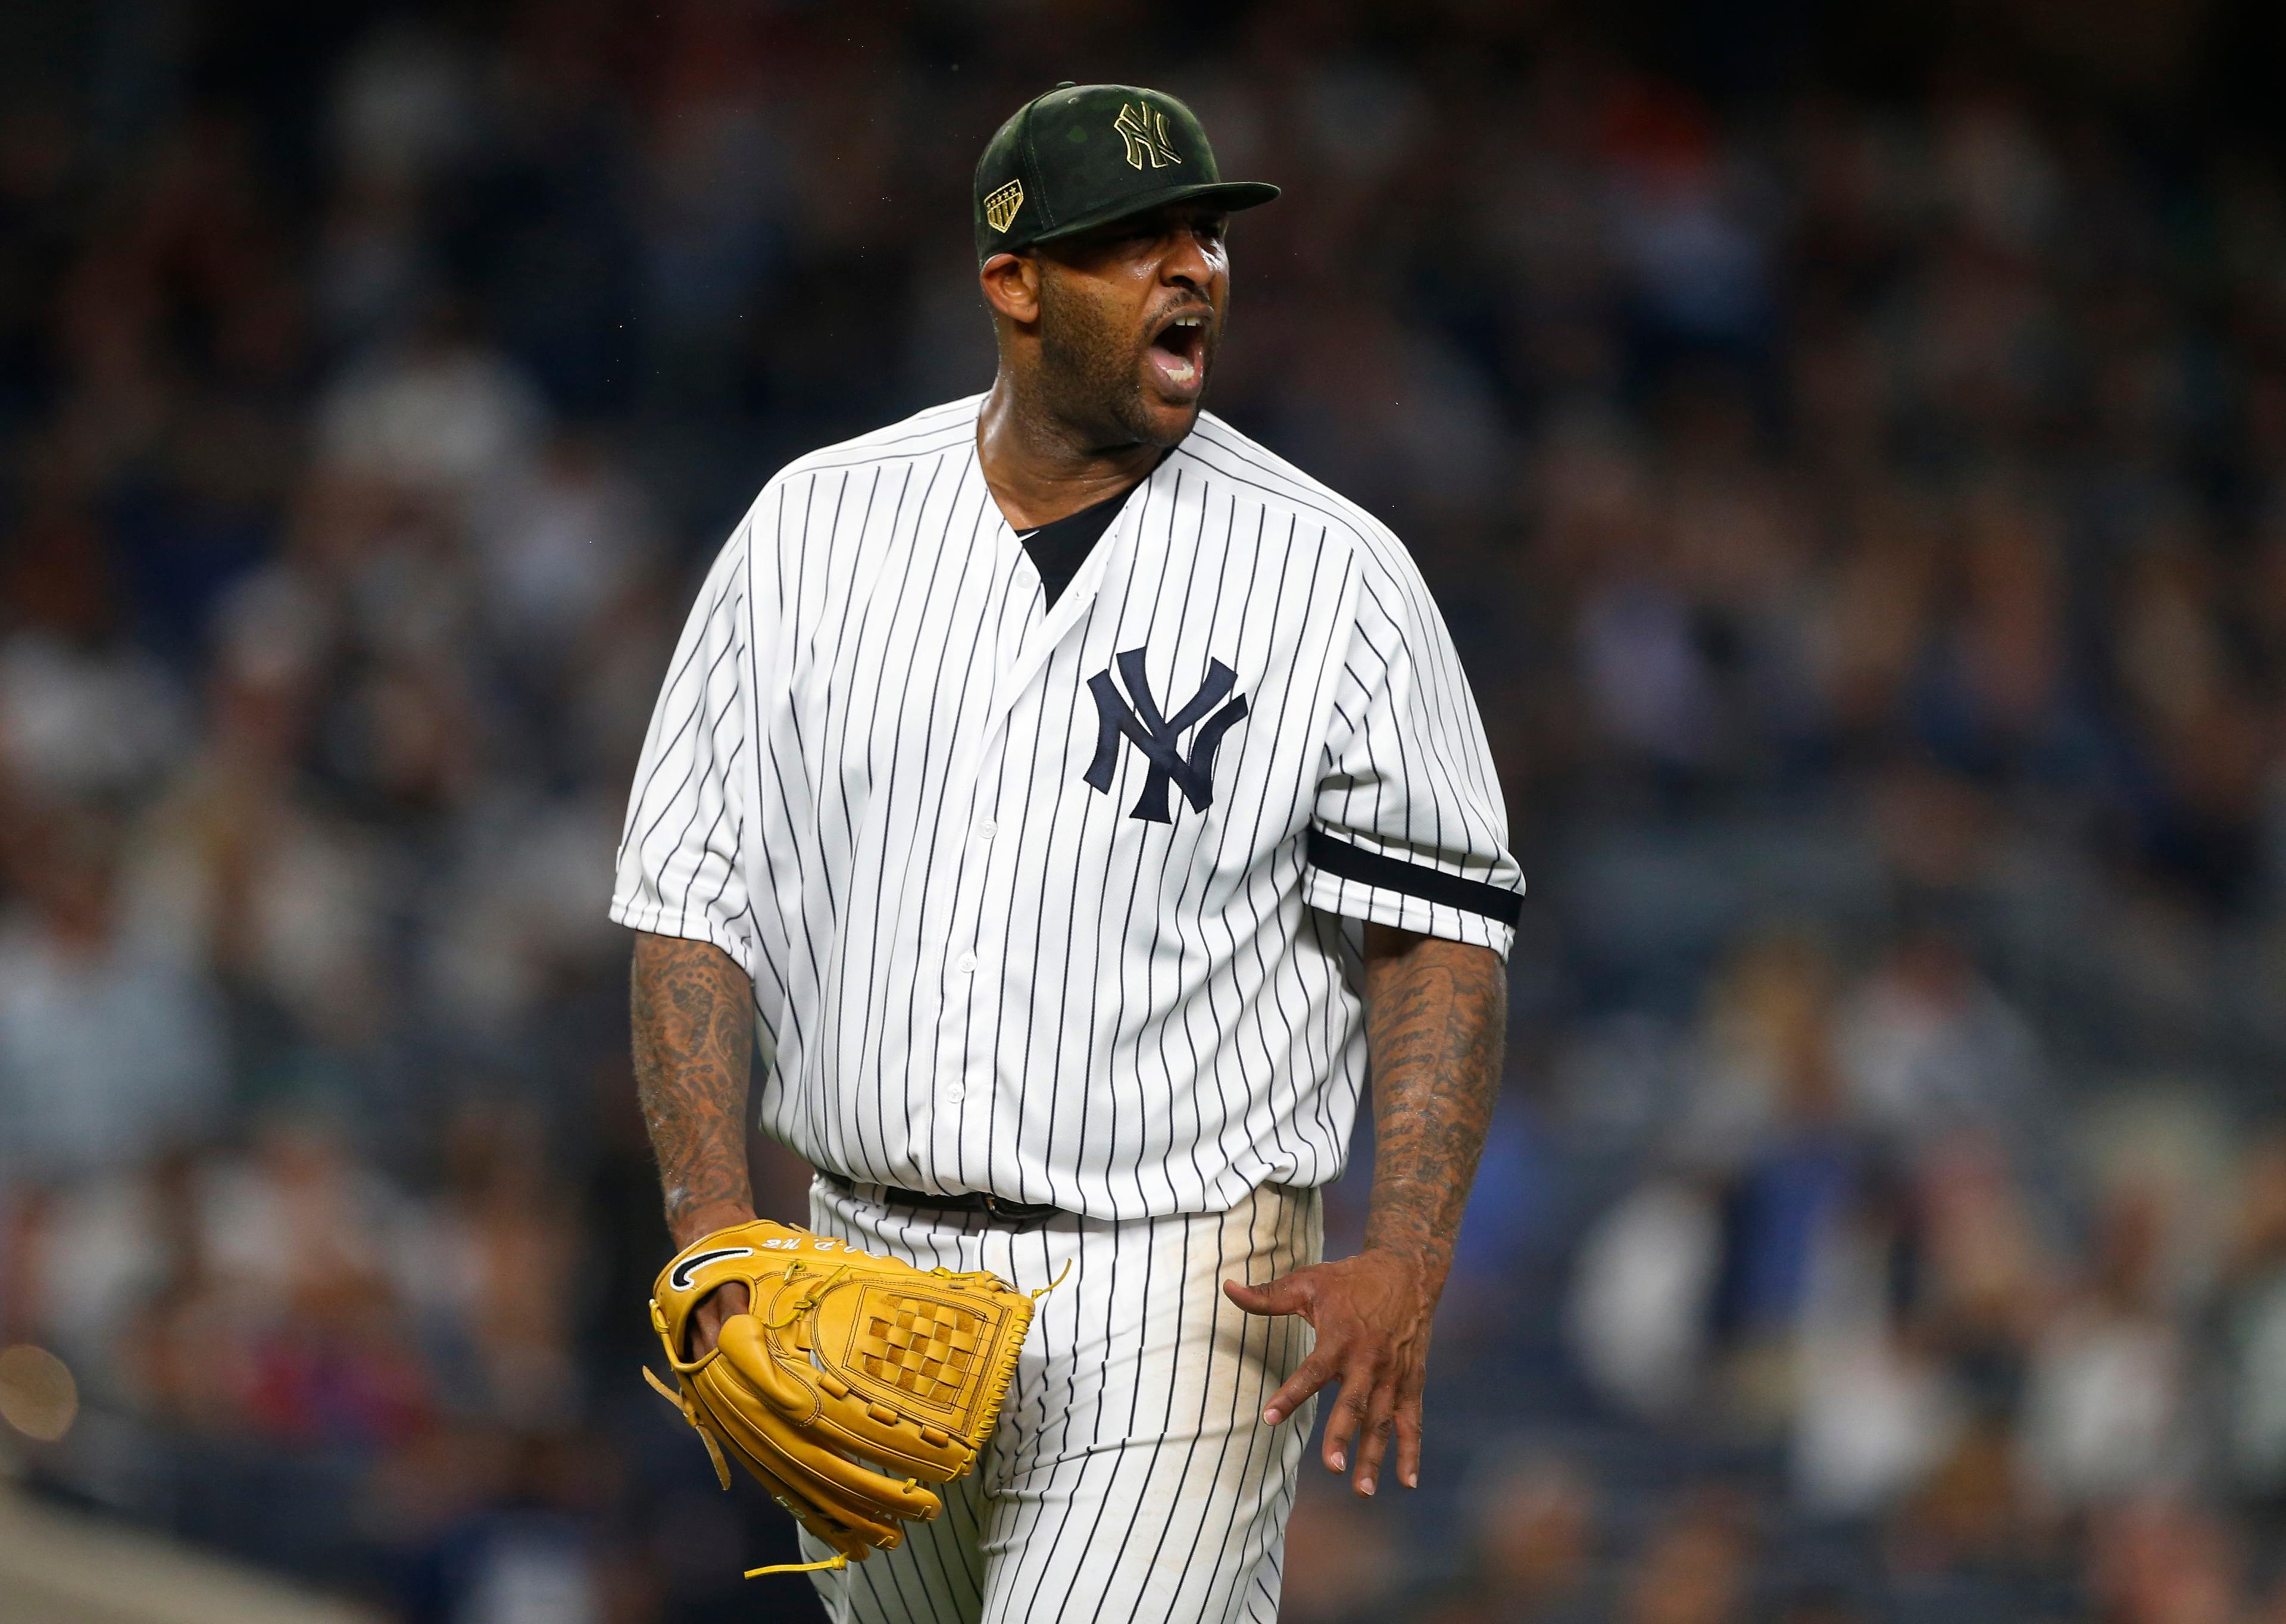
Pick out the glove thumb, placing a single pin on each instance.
(742, 1341)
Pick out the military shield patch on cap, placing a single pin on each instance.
(1000, 207)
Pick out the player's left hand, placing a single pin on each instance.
(1372, 1313)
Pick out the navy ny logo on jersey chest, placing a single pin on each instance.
(1137, 718)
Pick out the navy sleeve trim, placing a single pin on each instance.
(1344, 861)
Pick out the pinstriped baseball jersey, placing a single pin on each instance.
(1063, 903)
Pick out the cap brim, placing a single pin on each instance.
(1230, 195)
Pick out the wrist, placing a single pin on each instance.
(1428, 1261)
(693, 1224)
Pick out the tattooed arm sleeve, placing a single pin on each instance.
(693, 1016)
(1436, 1017)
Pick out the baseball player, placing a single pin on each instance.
(1067, 799)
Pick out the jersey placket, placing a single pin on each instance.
(980, 980)
(975, 966)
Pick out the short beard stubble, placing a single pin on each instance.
(1091, 373)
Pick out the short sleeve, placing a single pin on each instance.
(680, 860)
(1409, 829)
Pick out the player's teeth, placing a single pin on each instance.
(1181, 371)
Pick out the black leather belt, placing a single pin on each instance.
(1017, 1214)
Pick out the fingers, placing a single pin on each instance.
(1408, 1435)
(1348, 1425)
(1379, 1403)
(1342, 1424)
(1373, 1442)
(1313, 1373)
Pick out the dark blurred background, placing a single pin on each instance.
(1846, 441)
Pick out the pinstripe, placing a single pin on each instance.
(1293, 1154)
(820, 1100)
(873, 942)
(1262, 979)
(936, 829)
(1181, 912)
(659, 753)
(1047, 1553)
(1160, 921)
(793, 717)
(1011, 578)
(1198, 1429)
(1039, 916)
(1284, 1257)
(1117, 975)
(697, 763)
(1107, 1500)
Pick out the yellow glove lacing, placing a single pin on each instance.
(807, 1300)
(836, 1564)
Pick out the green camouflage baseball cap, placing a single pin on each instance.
(1084, 154)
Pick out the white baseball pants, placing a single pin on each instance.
(1131, 1479)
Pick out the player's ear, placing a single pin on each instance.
(1011, 285)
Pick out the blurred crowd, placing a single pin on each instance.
(1859, 513)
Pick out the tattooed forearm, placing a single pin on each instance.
(1436, 1017)
(693, 1017)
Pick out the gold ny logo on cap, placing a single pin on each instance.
(1000, 207)
(1146, 135)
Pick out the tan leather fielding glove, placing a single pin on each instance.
(844, 1362)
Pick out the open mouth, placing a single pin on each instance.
(1178, 352)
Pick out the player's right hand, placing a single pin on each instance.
(1372, 1314)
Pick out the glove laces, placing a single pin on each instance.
(807, 1300)
(1060, 1275)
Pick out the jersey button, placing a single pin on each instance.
(954, 1093)
(985, 830)
(966, 964)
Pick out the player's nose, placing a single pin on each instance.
(1186, 262)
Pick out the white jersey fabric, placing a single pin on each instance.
(1063, 904)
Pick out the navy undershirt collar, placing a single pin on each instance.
(1061, 546)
